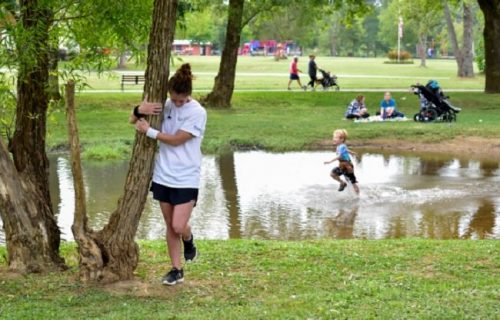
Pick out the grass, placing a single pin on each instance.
(243, 279)
(276, 121)
(265, 73)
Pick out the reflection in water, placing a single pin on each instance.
(291, 196)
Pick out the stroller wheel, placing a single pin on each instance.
(426, 115)
(430, 115)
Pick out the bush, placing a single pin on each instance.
(403, 55)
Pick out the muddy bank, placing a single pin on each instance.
(475, 147)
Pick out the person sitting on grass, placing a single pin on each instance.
(357, 109)
(388, 108)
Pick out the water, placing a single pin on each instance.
(260, 195)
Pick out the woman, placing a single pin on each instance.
(357, 109)
(176, 174)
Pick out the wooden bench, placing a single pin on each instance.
(132, 79)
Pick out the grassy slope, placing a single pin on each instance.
(276, 121)
(352, 72)
(387, 279)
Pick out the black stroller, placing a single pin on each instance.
(328, 80)
(434, 105)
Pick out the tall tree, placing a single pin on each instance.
(32, 234)
(222, 91)
(464, 55)
(111, 254)
(423, 16)
(491, 11)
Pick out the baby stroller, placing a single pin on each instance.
(328, 80)
(434, 105)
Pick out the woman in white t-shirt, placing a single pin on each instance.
(176, 175)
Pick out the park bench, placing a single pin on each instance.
(132, 79)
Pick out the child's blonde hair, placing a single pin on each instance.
(341, 133)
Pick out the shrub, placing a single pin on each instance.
(403, 55)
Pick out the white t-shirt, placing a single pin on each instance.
(180, 166)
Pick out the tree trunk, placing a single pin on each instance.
(333, 39)
(33, 248)
(491, 11)
(30, 247)
(422, 39)
(122, 60)
(90, 258)
(464, 56)
(116, 247)
(222, 92)
(466, 69)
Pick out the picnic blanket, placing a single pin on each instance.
(379, 119)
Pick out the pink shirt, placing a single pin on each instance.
(293, 68)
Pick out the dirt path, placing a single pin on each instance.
(473, 147)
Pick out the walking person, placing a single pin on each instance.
(312, 70)
(176, 175)
(294, 73)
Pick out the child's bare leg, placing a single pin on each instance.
(355, 187)
(337, 178)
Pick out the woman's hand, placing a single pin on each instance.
(150, 108)
(142, 125)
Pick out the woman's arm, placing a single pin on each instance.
(176, 139)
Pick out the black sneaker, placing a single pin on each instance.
(173, 277)
(342, 186)
(190, 251)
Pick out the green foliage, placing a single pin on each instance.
(247, 279)
(7, 107)
(480, 58)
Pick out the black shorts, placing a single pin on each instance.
(174, 196)
(347, 170)
(294, 76)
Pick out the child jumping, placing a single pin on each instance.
(345, 167)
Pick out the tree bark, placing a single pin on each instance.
(30, 246)
(115, 242)
(422, 41)
(491, 12)
(122, 60)
(464, 56)
(90, 258)
(466, 69)
(33, 248)
(222, 91)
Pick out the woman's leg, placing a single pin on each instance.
(176, 218)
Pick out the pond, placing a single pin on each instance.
(261, 195)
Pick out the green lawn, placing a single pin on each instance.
(265, 73)
(276, 121)
(243, 279)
